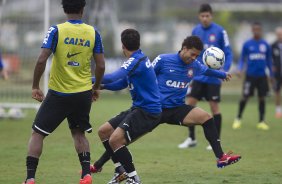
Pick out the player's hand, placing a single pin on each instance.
(239, 74)
(272, 82)
(228, 77)
(95, 95)
(95, 92)
(37, 94)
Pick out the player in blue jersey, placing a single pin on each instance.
(3, 71)
(73, 44)
(256, 55)
(212, 35)
(277, 70)
(174, 72)
(138, 74)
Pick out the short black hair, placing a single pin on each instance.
(73, 6)
(130, 38)
(193, 42)
(256, 24)
(205, 8)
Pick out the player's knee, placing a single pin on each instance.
(205, 117)
(104, 131)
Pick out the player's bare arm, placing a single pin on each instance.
(37, 94)
(99, 73)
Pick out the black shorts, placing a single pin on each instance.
(55, 108)
(252, 83)
(209, 92)
(277, 83)
(135, 122)
(176, 115)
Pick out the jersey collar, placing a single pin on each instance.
(75, 21)
(139, 51)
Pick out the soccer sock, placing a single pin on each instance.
(192, 132)
(31, 165)
(212, 136)
(102, 160)
(109, 150)
(242, 105)
(261, 110)
(124, 157)
(217, 120)
(84, 159)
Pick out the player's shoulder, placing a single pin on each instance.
(218, 27)
(197, 27)
(265, 42)
(53, 28)
(248, 41)
(168, 55)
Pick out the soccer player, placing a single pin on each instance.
(174, 72)
(138, 74)
(3, 71)
(256, 54)
(73, 43)
(277, 69)
(208, 87)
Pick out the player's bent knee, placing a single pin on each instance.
(205, 117)
(105, 131)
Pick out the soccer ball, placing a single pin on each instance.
(15, 113)
(214, 58)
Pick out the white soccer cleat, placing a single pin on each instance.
(236, 124)
(209, 148)
(188, 143)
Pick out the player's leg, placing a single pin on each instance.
(135, 125)
(35, 147)
(194, 95)
(262, 86)
(198, 116)
(82, 148)
(248, 90)
(104, 132)
(78, 121)
(49, 116)
(213, 97)
(277, 87)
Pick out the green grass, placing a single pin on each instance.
(156, 156)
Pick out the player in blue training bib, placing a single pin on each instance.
(208, 87)
(174, 72)
(256, 54)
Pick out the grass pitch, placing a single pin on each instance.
(156, 156)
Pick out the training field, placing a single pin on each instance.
(156, 156)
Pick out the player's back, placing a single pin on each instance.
(143, 84)
(71, 64)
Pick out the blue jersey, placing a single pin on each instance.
(51, 39)
(174, 76)
(213, 36)
(140, 77)
(1, 64)
(257, 55)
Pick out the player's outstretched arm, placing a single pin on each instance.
(116, 86)
(37, 94)
(218, 74)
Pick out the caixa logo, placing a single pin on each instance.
(73, 63)
(177, 84)
(77, 41)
